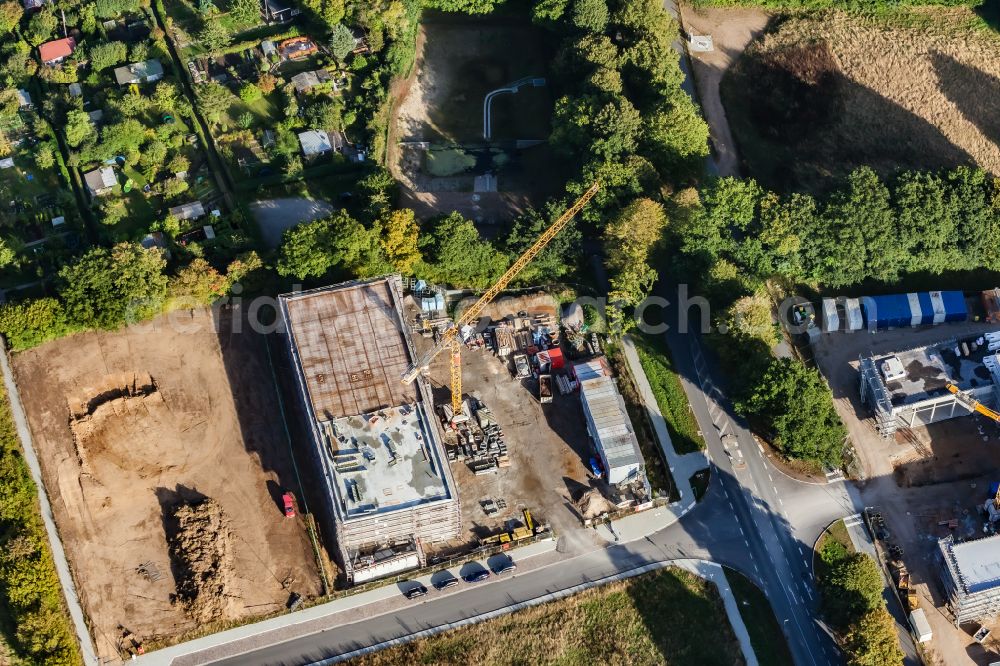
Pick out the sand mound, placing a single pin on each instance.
(202, 551)
(592, 504)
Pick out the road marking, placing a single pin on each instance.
(805, 562)
(809, 592)
(747, 542)
(801, 551)
(741, 530)
(781, 501)
(775, 489)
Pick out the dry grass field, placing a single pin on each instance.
(819, 94)
(668, 617)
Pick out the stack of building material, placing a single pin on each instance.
(503, 340)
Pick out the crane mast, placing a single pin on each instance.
(449, 338)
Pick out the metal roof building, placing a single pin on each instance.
(971, 576)
(608, 422)
(387, 481)
(189, 211)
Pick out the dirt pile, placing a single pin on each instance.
(592, 504)
(202, 551)
(117, 395)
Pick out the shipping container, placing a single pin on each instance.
(831, 320)
(921, 627)
(937, 307)
(852, 310)
(916, 316)
(955, 308)
(882, 312)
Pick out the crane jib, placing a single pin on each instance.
(448, 336)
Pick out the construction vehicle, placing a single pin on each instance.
(516, 534)
(973, 404)
(522, 370)
(906, 592)
(450, 339)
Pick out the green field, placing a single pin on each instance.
(666, 617)
(769, 644)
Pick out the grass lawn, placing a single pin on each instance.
(769, 644)
(670, 396)
(666, 617)
(266, 111)
(833, 545)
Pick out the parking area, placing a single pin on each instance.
(928, 482)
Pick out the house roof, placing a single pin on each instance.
(75, 89)
(188, 211)
(6, 163)
(975, 563)
(268, 47)
(98, 179)
(33, 4)
(315, 142)
(304, 81)
(23, 98)
(59, 48)
(138, 71)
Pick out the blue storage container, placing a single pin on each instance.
(882, 312)
(926, 308)
(954, 306)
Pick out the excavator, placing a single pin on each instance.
(973, 404)
(450, 339)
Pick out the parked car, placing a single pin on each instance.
(476, 576)
(445, 583)
(505, 565)
(289, 502)
(415, 592)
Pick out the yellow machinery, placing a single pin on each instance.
(450, 340)
(974, 404)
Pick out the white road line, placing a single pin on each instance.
(775, 489)
(781, 501)
(805, 562)
(801, 552)
(809, 592)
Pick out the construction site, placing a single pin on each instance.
(165, 462)
(919, 403)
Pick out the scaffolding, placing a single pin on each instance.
(971, 575)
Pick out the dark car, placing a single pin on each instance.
(476, 576)
(415, 592)
(503, 566)
(445, 583)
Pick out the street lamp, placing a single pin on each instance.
(512, 88)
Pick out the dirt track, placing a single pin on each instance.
(119, 452)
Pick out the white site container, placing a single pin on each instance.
(921, 627)
(937, 303)
(855, 320)
(831, 320)
(915, 315)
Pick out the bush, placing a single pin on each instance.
(33, 322)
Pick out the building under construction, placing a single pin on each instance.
(971, 576)
(910, 388)
(388, 483)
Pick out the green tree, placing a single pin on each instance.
(313, 248)
(628, 240)
(214, 100)
(795, 408)
(107, 54)
(853, 588)
(246, 12)
(558, 258)
(198, 281)
(399, 240)
(78, 128)
(28, 323)
(590, 15)
(165, 95)
(872, 641)
(250, 93)
(465, 6)
(106, 288)
(121, 138)
(455, 254)
(10, 16)
(214, 36)
(45, 157)
(41, 26)
(341, 42)
(675, 136)
(108, 9)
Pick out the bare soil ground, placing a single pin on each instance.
(821, 94)
(130, 426)
(732, 29)
(938, 473)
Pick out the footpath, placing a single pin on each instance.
(682, 467)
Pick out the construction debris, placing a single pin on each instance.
(149, 571)
(203, 554)
(592, 504)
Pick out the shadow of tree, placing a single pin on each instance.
(974, 92)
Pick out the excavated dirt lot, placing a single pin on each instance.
(820, 94)
(131, 426)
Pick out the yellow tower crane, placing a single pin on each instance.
(449, 339)
(973, 404)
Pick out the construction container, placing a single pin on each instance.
(937, 307)
(955, 308)
(855, 319)
(884, 312)
(831, 320)
(926, 308)
(921, 627)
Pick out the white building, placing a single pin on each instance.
(971, 577)
(315, 142)
(608, 423)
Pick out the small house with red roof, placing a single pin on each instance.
(54, 52)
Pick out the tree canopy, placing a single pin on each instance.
(455, 254)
